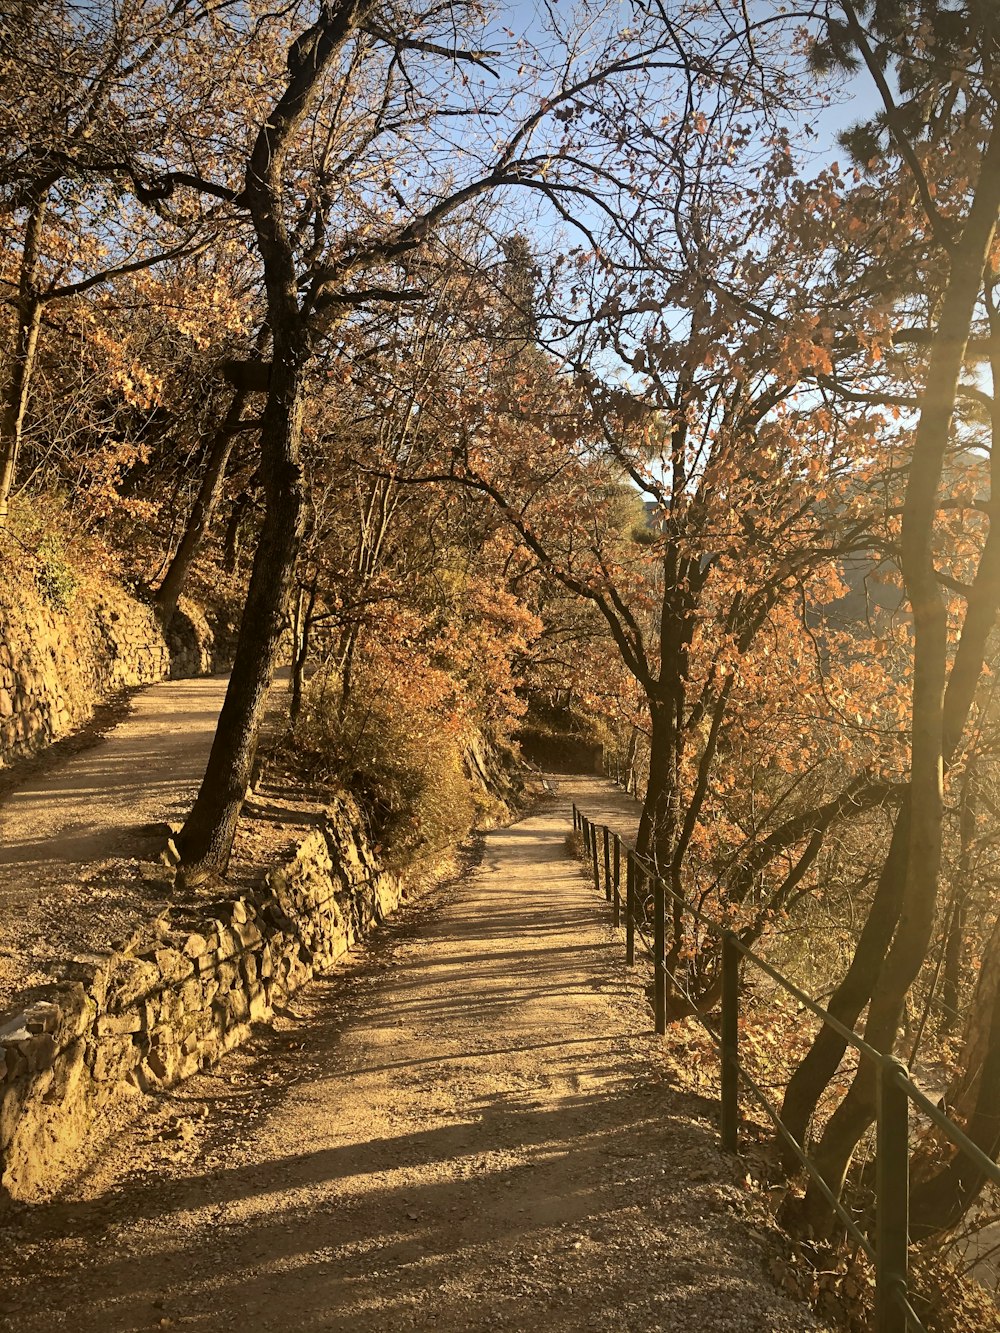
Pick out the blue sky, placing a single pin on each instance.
(856, 97)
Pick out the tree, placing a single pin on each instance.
(959, 211)
(80, 205)
(737, 477)
(320, 238)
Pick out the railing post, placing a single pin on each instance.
(576, 817)
(616, 883)
(730, 1071)
(892, 1194)
(629, 908)
(607, 863)
(596, 857)
(659, 948)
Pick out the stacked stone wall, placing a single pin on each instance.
(177, 997)
(57, 664)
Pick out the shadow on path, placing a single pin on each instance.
(471, 1127)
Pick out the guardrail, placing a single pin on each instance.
(889, 1253)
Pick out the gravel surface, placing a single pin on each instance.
(470, 1126)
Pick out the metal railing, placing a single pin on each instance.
(889, 1252)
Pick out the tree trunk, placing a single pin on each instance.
(656, 823)
(203, 509)
(818, 1066)
(909, 947)
(346, 656)
(954, 947)
(964, 1089)
(207, 837)
(206, 840)
(18, 381)
(955, 942)
(300, 651)
(231, 541)
(940, 1203)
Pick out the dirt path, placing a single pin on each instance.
(147, 769)
(59, 829)
(469, 1127)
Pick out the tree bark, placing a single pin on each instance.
(231, 541)
(304, 609)
(940, 1203)
(202, 511)
(964, 1090)
(820, 1063)
(206, 840)
(29, 318)
(656, 831)
(955, 942)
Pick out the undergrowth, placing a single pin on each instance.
(396, 755)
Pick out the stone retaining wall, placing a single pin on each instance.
(57, 665)
(178, 996)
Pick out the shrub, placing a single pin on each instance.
(397, 749)
(43, 538)
(56, 579)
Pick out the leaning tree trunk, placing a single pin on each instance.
(820, 1063)
(818, 1066)
(963, 1092)
(203, 510)
(207, 837)
(909, 947)
(18, 381)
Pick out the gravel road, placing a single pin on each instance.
(470, 1126)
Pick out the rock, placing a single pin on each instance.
(158, 878)
(11, 1106)
(173, 964)
(119, 1025)
(113, 1060)
(42, 1017)
(130, 979)
(68, 1072)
